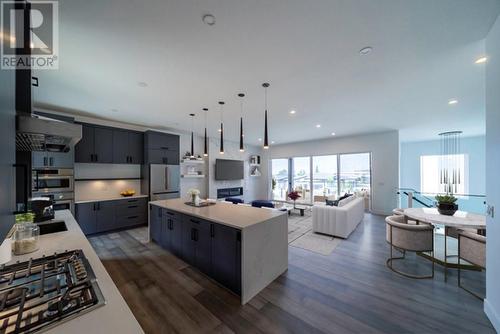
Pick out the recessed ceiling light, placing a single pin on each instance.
(481, 60)
(208, 19)
(452, 101)
(292, 112)
(333, 133)
(272, 142)
(142, 84)
(366, 50)
(219, 129)
(318, 125)
(260, 139)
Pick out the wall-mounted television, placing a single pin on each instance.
(228, 169)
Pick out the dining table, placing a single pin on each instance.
(459, 220)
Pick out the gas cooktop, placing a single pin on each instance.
(41, 293)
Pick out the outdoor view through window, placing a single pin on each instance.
(332, 175)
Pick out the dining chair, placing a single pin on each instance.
(401, 212)
(471, 248)
(405, 237)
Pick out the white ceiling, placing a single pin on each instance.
(423, 55)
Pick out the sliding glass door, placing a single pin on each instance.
(302, 178)
(317, 177)
(280, 180)
(324, 176)
(355, 173)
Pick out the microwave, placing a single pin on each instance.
(52, 180)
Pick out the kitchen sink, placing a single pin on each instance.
(53, 226)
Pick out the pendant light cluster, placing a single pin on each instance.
(221, 130)
(449, 164)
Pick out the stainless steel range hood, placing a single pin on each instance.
(37, 133)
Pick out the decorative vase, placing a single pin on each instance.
(447, 209)
(195, 199)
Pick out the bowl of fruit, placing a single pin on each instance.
(128, 193)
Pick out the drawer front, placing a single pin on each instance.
(131, 220)
(172, 214)
(127, 209)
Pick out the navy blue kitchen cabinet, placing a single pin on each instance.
(103, 216)
(128, 147)
(86, 216)
(171, 233)
(196, 243)
(53, 159)
(96, 145)
(84, 149)
(161, 148)
(226, 256)
(7, 151)
(155, 223)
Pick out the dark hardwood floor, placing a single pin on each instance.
(350, 291)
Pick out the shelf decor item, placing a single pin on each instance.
(294, 195)
(450, 173)
(242, 148)
(446, 204)
(191, 155)
(194, 194)
(266, 137)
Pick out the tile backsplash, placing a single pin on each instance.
(102, 189)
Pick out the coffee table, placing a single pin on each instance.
(299, 208)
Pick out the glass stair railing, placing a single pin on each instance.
(469, 203)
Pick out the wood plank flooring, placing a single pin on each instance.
(349, 291)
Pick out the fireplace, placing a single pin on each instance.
(229, 192)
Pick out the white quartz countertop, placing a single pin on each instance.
(233, 215)
(103, 199)
(115, 316)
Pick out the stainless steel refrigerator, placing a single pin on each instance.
(164, 181)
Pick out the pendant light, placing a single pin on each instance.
(242, 148)
(266, 137)
(192, 135)
(449, 170)
(205, 150)
(221, 103)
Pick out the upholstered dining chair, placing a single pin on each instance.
(471, 248)
(405, 237)
(401, 212)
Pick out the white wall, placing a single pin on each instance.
(492, 302)
(384, 148)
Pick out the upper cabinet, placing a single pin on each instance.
(128, 147)
(109, 145)
(161, 148)
(96, 145)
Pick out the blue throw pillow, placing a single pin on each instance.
(331, 203)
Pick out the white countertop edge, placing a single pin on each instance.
(109, 199)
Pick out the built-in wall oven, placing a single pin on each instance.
(57, 184)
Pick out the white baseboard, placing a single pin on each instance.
(492, 315)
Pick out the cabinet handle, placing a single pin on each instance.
(164, 148)
(192, 234)
(195, 235)
(45, 161)
(238, 236)
(96, 157)
(131, 201)
(170, 213)
(51, 161)
(132, 206)
(132, 217)
(194, 221)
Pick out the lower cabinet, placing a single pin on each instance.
(103, 216)
(213, 248)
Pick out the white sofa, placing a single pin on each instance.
(340, 220)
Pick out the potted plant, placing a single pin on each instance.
(195, 196)
(294, 195)
(446, 204)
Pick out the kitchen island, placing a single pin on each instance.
(242, 247)
(113, 317)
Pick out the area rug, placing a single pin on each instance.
(300, 235)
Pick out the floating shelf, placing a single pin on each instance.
(192, 162)
(194, 176)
